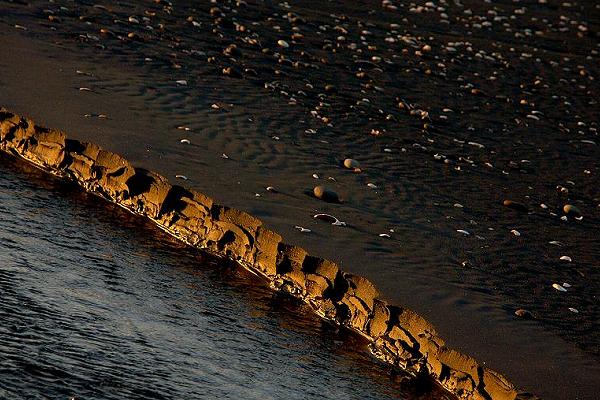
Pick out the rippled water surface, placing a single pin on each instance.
(97, 304)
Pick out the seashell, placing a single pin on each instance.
(566, 258)
(329, 218)
(185, 141)
(225, 156)
(574, 310)
(566, 285)
(271, 189)
(515, 232)
(181, 82)
(463, 231)
(372, 185)
(185, 178)
(558, 287)
(315, 176)
(302, 229)
(384, 235)
(85, 89)
(283, 43)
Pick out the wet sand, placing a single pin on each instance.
(468, 286)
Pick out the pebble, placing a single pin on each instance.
(515, 205)
(570, 209)
(522, 313)
(351, 163)
(558, 287)
(326, 194)
(283, 43)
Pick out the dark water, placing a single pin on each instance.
(97, 304)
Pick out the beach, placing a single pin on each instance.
(446, 120)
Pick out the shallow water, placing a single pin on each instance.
(97, 304)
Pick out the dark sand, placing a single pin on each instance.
(468, 286)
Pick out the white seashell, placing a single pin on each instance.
(302, 229)
(558, 287)
(85, 89)
(330, 218)
(545, 207)
(271, 189)
(555, 243)
(574, 310)
(184, 128)
(458, 205)
(463, 231)
(283, 43)
(315, 176)
(372, 185)
(186, 141)
(384, 235)
(567, 285)
(134, 20)
(225, 156)
(515, 232)
(181, 82)
(215, 106)
(566, 258)
(185, 178)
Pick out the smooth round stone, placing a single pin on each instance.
(283, 43)
(570, 209)
(351, 163)
(326, 194)
(515, 205)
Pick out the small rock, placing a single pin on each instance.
(523, 314)
(570, 209)
(515, 205)
(559, 287)
(326, 194)
(352, 164)
(283, 43)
